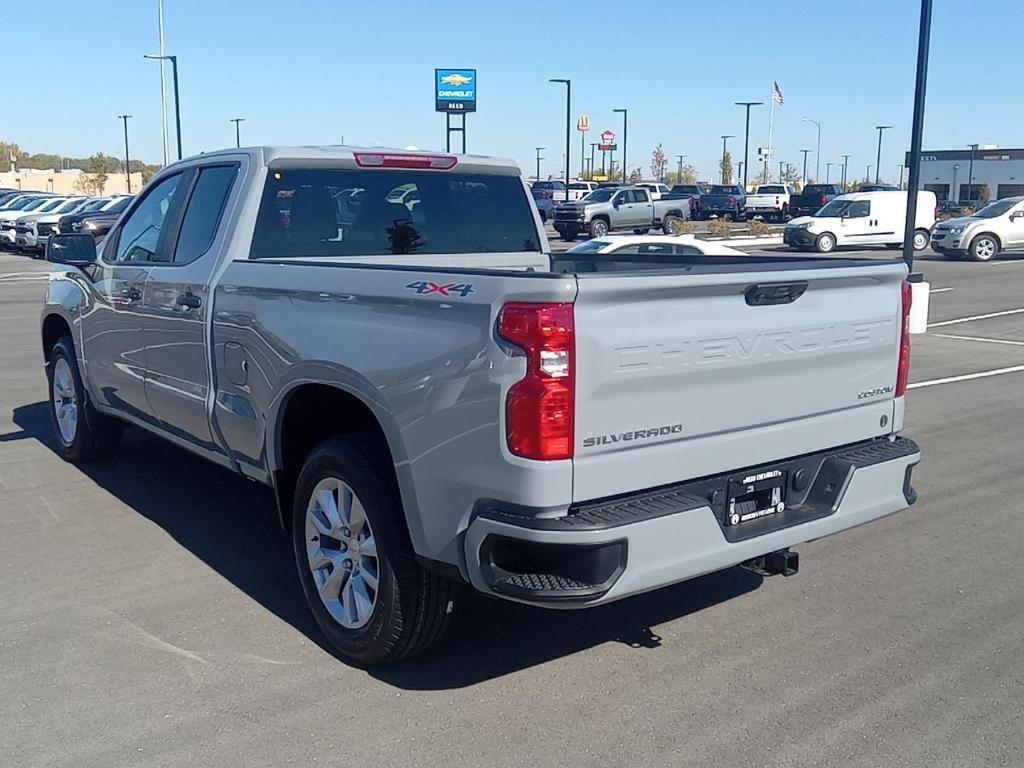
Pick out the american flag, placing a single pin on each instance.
(777, 93)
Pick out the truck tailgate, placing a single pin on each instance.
(682, 375)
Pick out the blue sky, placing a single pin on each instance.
(315, 71)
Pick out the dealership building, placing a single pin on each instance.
(996, 173)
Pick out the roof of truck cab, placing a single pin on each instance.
(344, 156)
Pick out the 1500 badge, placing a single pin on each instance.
(636, 434)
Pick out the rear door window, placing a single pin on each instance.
(379, 212)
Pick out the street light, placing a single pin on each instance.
(625, 133)
(593, 146)
(956, 168)
(846, 161)
(828, 171)
(679, 173)
(177, 102)
(970, 173)
(127, 167)
(725, 139)
(817, 154)
(236, 121)
(539, 158)
(806, 152)
(878, 157)
(746, 140)
(568, 126)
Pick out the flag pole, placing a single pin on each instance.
(771, 123)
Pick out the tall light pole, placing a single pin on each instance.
(177, 102)
(593, 146)
(539, 158)
(127, 167)
(625, 135)
(806, 152)
(878, 157)
(916, 131)
(746, 140)
(679, 171)
(817, 153)
(236, 121)
(828, 171)
(867, 173)
(970, 173)
(725, 140)
(568, 127)
(953, 193)
(163, 81)
(846, 161)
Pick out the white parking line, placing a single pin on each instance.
(978, 338)
(939, 290)
(966, 377)
(976, 317)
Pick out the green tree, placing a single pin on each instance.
(725, 166)
(635, 176)
(6, 150)
(98, 166)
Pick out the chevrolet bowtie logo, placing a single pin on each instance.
(456, 79)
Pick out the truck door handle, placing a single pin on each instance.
(188, 299)
(769, 294)
(131, 294)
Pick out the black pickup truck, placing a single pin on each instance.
(812, 198)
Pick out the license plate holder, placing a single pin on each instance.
(756, 495)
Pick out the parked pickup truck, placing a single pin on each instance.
(690, 192)
(813, 198)
(435, 398)
(610, 209)
(771, 201)
(726, 200)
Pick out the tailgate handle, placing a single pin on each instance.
(768, 294)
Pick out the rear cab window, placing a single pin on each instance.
(391, 212)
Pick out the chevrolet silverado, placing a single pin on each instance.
(437, 399)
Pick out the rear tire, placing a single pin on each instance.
(984, 247)
(347, 518)
(921, 239)
(826, 243)
(569, 237)
(83, 434)
(672, 225)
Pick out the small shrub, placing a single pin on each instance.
(758, 228)
(686, 227)
(719, 228)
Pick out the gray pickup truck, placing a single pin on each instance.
(606, 210)
(438, 400)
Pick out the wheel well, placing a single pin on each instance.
(55, 328)
(311, 414)
(993, 235)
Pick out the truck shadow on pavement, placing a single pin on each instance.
(196, 503)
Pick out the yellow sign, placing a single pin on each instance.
(456, 79)
(583, 124)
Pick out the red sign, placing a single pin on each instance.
(607, 136)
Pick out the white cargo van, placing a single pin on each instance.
(863, 218)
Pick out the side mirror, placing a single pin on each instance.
(75, 250)
(615, 202)
(844, 214)
(1016, 215)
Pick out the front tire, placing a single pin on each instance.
(984, 247)
(363, 585)
(83, 434)
(598, 228)
(826, 243)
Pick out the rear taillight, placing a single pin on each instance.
(824, 199)
(539, 409)
(904, 365)
(732, 200)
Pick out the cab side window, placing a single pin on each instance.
(204, 211)
(640, 196)
(859, 209)
(140, 234)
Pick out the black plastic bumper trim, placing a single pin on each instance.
(817, 484)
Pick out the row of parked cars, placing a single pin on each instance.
(28, 219)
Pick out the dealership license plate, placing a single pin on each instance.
(756, 495)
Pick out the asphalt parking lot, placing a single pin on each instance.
(152, 617)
